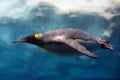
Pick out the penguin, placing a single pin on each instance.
(68, 42)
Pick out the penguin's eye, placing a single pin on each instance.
(37, 36)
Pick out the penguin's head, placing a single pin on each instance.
(32, 39)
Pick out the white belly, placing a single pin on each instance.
(64, 50)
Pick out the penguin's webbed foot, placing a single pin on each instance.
(106, 44)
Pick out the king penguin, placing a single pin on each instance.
(68, 42)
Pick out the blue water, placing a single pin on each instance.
(28, 62)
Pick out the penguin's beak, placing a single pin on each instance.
(21, 40)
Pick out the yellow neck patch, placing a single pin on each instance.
(37, 36)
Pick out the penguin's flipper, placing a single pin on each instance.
(75, 45)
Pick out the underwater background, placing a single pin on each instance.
(20, 18)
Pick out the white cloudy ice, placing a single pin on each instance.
(20, 8)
